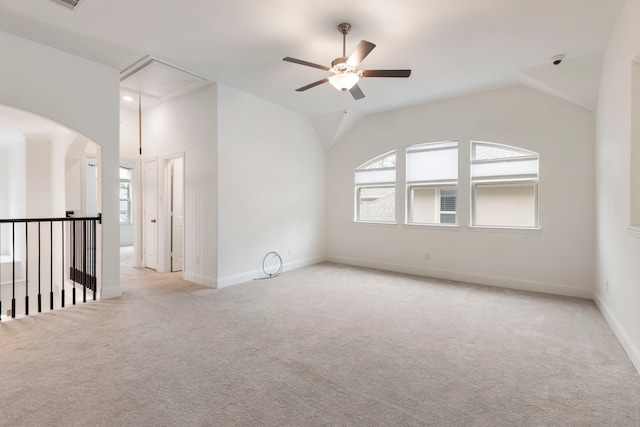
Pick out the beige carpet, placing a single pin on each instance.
(327, 345)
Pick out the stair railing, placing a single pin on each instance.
(69, 242)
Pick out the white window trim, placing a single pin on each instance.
(128, 200)
(430, 184)
(364, 169)
(356, 210)
(503, 181)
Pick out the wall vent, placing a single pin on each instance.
(69, 4)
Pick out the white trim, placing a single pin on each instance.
(632, 350)
(482, 279)
(505, 229)
(257, 274)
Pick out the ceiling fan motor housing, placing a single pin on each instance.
(340, 65)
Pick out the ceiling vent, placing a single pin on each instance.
(69, 4)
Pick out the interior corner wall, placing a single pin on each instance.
(558, 258)
(618, 246)
(271, 185)
(36, 79)
(188, 125)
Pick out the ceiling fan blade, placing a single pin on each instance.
(314, 84)
(360, 52)
(308, 64)
(356, 92)
(386, 73)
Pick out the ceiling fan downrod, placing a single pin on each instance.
(344, 28)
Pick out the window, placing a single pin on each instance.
(504, 183)
(125, 195)
(432, 180)
(375, 189)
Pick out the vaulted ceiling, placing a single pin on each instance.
(453, 47)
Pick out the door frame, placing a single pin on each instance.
(176, 240)
(164, 253)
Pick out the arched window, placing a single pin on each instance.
(504, 181)
(432, 182)
(375, 189)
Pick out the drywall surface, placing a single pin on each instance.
(38, 177)
(557, 258)
(83, 96)
(186, 126)
(271, 186)
(618, 245)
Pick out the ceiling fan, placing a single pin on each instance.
(345, 69)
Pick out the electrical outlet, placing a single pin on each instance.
(427, 256)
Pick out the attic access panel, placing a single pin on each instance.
(153, 78)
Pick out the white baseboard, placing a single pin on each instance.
(109, 293)
(482, 279)
(632, 350)
(200, 279)
(249, 276)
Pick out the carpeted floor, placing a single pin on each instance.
(326, 345)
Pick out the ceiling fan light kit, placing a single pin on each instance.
(345, 69)
(344, 81)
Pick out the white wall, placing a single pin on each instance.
(559, 258)
(16, 177)
(38, 194)
(618, 247)
(37, 79)
(130, 134)
(271, 185)
(185, 125)
(4, 196)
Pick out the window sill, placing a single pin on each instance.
(634, 231)
(454, 227)
(374, 223)
(525, 230)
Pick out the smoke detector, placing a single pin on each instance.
(69, 4)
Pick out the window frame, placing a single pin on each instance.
(358, 186)
(128, 200)
(438, 184)
(504, 179)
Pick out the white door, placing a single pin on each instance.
(150, 213)
(177, 215)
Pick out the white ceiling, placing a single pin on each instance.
(454, 47)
